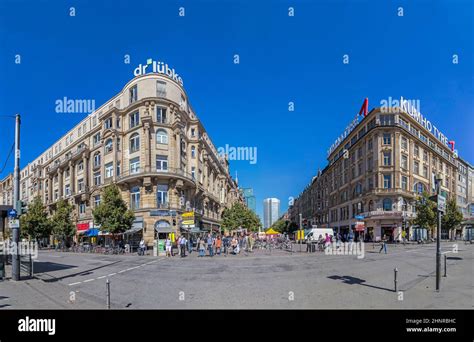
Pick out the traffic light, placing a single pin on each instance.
(21, 208)
(174, 222)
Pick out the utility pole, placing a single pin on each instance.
(16, 200)
(438, 233)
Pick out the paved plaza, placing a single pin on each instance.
(258, 280)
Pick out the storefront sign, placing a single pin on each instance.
(359, 226)
(160, 213)
(82, 226)
(344, 135)
(158, 67)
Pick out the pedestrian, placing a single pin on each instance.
(218, 245)
(384, 246)
(168, 245)
(190, 244)
(210, 245)
(142, 247)
(251, 241)
(202, 247)
(182, 243)
(404, 235)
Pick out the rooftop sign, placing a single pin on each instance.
(158, 67)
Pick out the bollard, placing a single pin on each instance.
(395, 271)
(445, 258)
(107, 286)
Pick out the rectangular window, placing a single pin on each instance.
(67, 190)
(387, 181)
(425, 156)
(416, 151)
(96, 201)
(161, 163)
(160, 89)
(404, 162)
(425, 171)
(416, 168)
(82, 208)
(405, 143)
(134, 119)
(118, 169)
(387, 139)
(133, 94)
(135, 165)
(108, 123)
(193, 173)
(404, 183)
(387, 158)
(97, 178)
(387, 120)
(370, 164)
(80, 166)
(109, 170)
(162, 194)
(161, 115)
(96, 139)
(80, 185)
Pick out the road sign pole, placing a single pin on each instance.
(16, 198)
(438, 236)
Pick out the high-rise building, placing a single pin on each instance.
(271, 211)
(249, 198)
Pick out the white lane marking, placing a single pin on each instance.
(75, 283)
(122, 271)
(112, 274)
(131, 268)
(101, 277)
(88, 280)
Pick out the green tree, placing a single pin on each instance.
(281, 226)
(240, 216)
(35, 223)
(452, 218)
(425, 213)
(112, 213)
(62, 226)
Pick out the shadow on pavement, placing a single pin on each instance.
(4, 305)
(46, 266)
(356, 281)
(85, 272)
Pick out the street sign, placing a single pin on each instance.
(12, 213)
(359, 217)
(14, 223)
(442, 203)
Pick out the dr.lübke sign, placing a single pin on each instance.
(158, 67)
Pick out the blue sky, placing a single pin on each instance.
(282, 59)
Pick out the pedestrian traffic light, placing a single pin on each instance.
(174, 222)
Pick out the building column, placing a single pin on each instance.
(60, 183)
(72, 170)
(85, 171)
(50, 189)
(114, 142)
(178, 148)
(146, 140)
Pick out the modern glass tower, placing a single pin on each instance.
(271, 211)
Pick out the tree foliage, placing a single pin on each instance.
(240, 216)
(112, 214)
(452, 218)
(425, 213)
(35, 223)
(61, 221)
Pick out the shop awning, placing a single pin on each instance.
(271, 231)
(133, 230)
(92, 232)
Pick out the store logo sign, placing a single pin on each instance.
(157, 67)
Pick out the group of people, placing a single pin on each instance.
(212, 244)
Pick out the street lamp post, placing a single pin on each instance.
(438, 233)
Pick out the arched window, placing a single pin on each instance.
(134, 142)
(109, 145)
(419, 188)
(161, 136)
(162, 224)
(135, 198)
(97, 159)
(387, 204)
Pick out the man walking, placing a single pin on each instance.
(384, 245)
(182, 243)
(210, 243)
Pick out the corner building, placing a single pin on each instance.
(376, 174)
(147, 140)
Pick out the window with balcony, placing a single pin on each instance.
(134, 119)
(416, 168)
(135, 198)
(161, 115)
(161, 163)
(135, 165)
(96, 139)
(404, 143)
(96, 201)
(419, 188)
(80, 185)
(82, 208)
(161, 136)
(134, 143)
(387, 204)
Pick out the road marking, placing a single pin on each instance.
(131, 268)
(122, 271)
(75, 283)
(101, 277)
(88, 280)
(112, 274)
